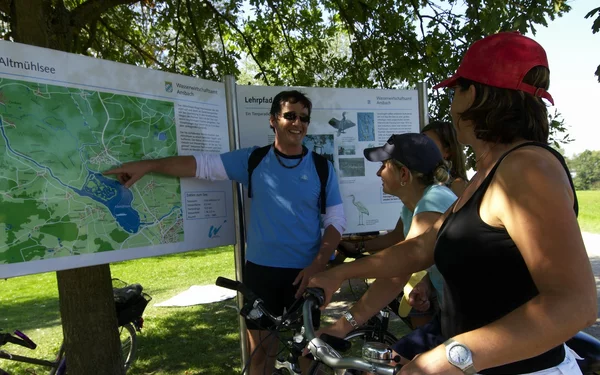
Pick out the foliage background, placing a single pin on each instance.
(320, 43)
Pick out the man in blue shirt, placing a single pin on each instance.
(285, 246)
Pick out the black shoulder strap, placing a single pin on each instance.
(322, 167)
(562, 161)
(253, 161)
(557, 155)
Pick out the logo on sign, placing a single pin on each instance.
(168, 86)
(213, 232)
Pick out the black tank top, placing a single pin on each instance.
(485, 276)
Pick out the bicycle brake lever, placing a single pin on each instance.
(29, 344)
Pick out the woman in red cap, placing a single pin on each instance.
(518, 282)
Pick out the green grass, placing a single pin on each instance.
(201, 339)
(589, 210)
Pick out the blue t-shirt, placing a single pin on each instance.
(284, 228)
(436, 198)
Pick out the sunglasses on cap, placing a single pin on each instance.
(292, 116)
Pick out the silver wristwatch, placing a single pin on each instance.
(350, 318)
(459, 355)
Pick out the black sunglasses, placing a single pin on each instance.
(292, 116)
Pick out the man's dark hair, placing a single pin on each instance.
(291, 96)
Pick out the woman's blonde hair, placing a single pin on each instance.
(440, 174)
(447, 135)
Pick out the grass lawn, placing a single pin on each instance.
(201, 339)
(589, 210)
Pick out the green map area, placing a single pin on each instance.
(55, 143)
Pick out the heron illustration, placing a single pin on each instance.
(361, 210)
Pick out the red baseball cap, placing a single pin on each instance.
(502, 60)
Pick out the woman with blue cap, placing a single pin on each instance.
(412, 169)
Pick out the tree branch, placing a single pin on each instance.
(5, 6)
(352, 29)
(416, 8)
(143, 53)
(197, 37)
(174, 69)
(234, 26)
(222, 40)
(92, 9)
(91, 36)
(441, 22)
(286, 37)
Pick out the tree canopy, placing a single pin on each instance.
(595, 29)
(319, 43)
(586, 168)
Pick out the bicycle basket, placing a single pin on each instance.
(130, 301)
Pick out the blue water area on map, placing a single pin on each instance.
(162, 136)
(116, 197)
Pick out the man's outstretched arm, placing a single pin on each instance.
(177, 166)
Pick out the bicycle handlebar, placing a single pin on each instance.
(20, 339)
(314, 298)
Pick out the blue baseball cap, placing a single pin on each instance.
(416, 151)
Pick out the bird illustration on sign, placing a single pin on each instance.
(362, 210)
(341, 125)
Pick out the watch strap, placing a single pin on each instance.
(350, 318)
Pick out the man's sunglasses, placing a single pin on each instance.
(292, 116)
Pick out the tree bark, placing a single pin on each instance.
(87, 306)
(87, 309)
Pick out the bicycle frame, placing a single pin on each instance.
(57, 367)
(317, 346)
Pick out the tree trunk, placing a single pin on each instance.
(87, 309)
(87, 306)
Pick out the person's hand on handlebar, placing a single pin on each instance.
(338, 329)
(329, 282)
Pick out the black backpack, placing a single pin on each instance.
(320, 164)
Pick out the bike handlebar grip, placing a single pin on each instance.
(227, 283)
(28, 343)
(236, 285)
(318, 295)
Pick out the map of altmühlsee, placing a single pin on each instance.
(54, 200)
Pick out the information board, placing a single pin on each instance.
(343, 123)
(65, 119)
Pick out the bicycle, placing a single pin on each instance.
(325, 349)
(130, 303)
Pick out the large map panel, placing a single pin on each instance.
(64, 120)
(56, 141)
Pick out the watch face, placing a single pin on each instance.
(459, 354)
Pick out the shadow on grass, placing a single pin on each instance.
(191, 340)
(30, 314)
